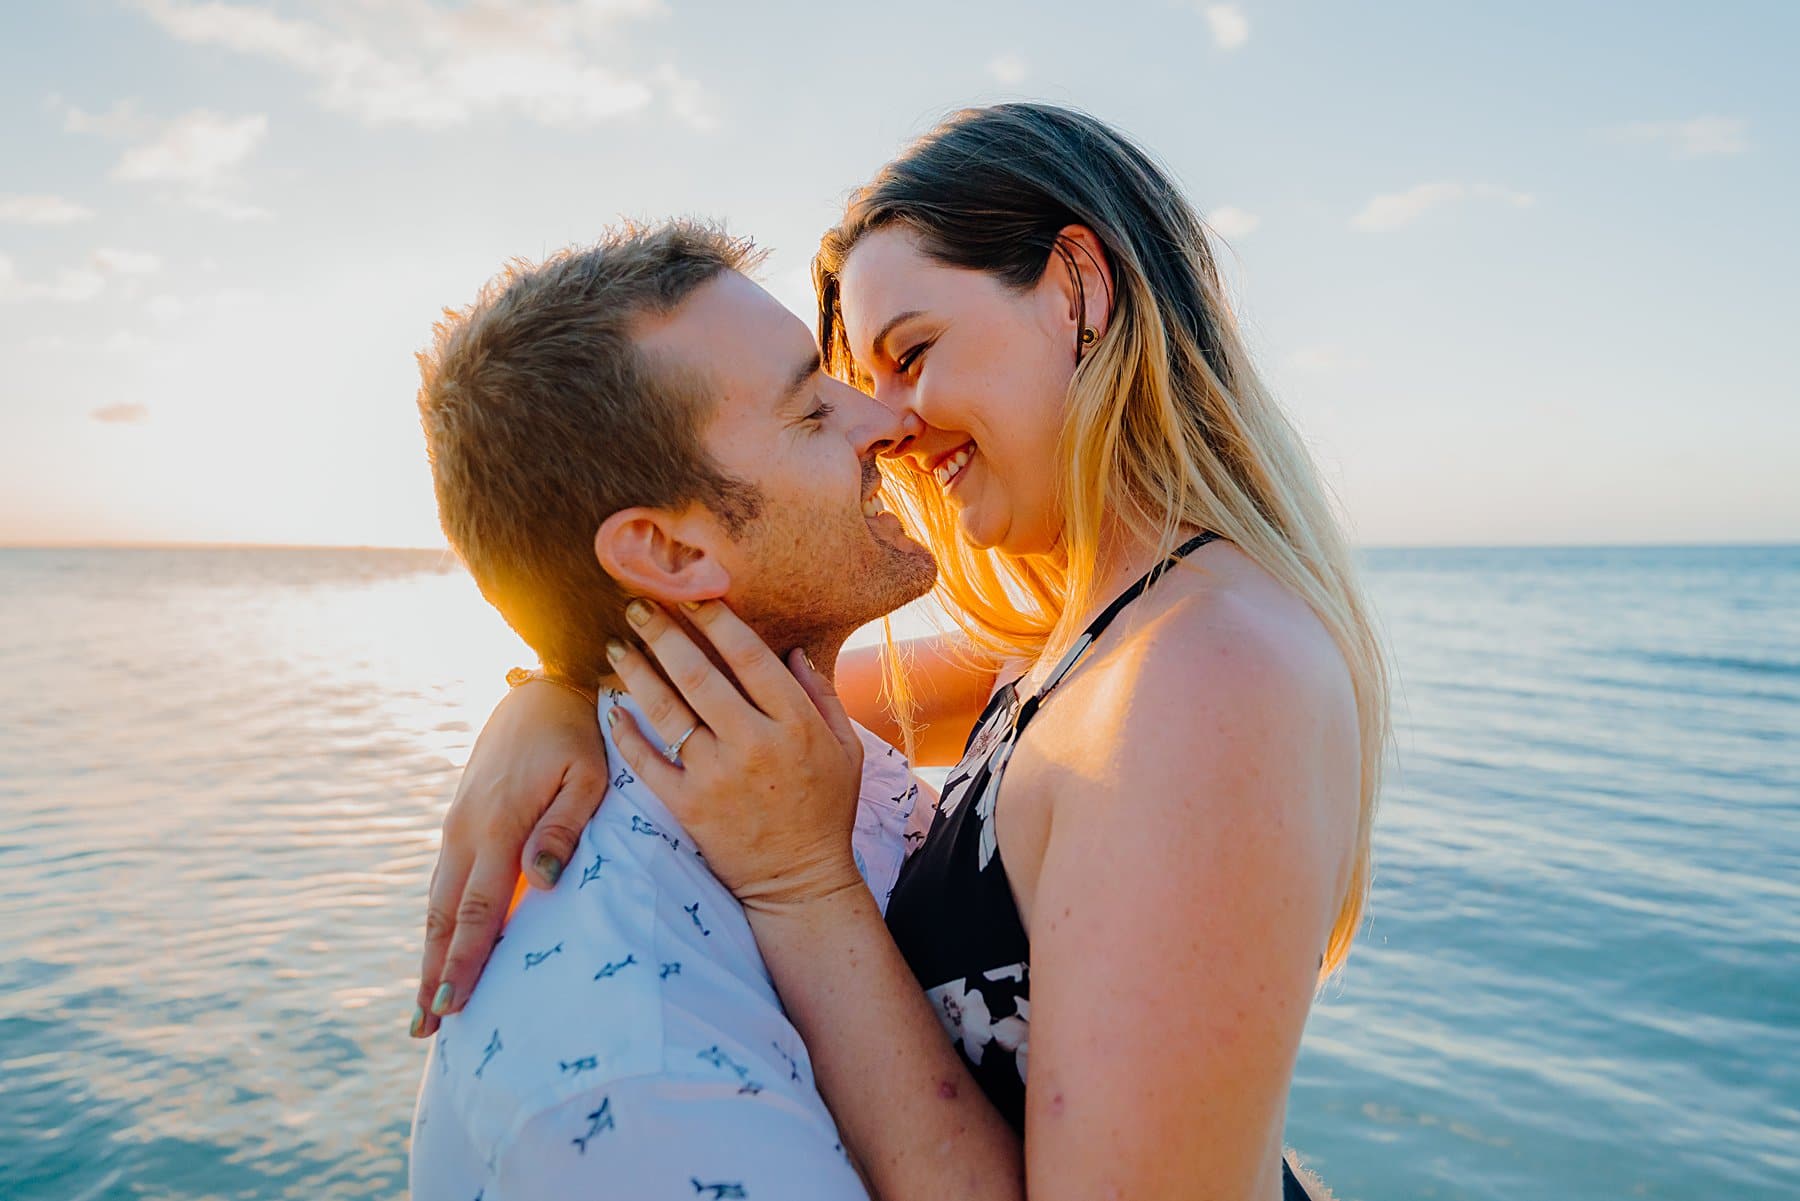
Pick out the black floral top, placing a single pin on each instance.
(952, 913)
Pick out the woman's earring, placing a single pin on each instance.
(1089, 335)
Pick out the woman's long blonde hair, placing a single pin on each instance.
(1167, 426)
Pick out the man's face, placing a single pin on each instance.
(813, 563)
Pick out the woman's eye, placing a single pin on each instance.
(825, 409)
(910, 359)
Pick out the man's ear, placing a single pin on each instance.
(664, 556)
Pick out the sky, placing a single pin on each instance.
(1522, 273)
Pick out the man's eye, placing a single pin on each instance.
(825, 409)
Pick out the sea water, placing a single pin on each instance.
(222, 774)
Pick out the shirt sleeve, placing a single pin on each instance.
(673, 1138)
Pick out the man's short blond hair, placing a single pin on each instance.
(542, 419)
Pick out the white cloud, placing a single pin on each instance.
(71, 285)
(1393, 210)
(687, 99)
(1230, 27)
(198, 148)
(41, 210)
(122, 120)
(1701, 137)
(195, 159)
(407, 62)
(1229, 222)
(126, 262)
(1008, 68)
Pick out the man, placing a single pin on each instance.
(640, 419)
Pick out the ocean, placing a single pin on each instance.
(222, 774)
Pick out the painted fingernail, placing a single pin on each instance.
(549, 867)
(615, 650)
(440, 1004)
(418, 1023)
(638, 612)
(690, 606)
(614, 716)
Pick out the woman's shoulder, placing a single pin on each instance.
(1221, 630)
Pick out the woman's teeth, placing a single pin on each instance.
(873, 506)
(951, 467)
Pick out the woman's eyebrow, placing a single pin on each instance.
(881, 336)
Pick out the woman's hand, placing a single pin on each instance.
(767, 784)
(537, 774)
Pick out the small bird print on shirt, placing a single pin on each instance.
(613, 969)
(719, 1059)
(669, 969)
(600, 1119)
(492, 1049)
(623, 778)
(533, 958)
(592, 871)
(793, 1064)
(721, 1192)
(586, 1063)
(693, 911)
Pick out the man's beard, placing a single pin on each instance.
(821, 580)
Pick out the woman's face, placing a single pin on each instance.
(984, 369)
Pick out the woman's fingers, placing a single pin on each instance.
(553, 840)
(646, 762)
(665, 709)
(823, 694)
(479, 915)
(707, 691)
(447, 881)
(759, 671)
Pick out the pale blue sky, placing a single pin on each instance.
(1523, 272)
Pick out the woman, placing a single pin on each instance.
(1189, 720)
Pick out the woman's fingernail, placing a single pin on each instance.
(418, 1023)
(690, 606)
(809, 662)
(550, 867)
(613, 715)
(440, 1004)
(615, 650)
(638, 612)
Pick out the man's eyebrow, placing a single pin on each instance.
(894, 322)
(800, 378)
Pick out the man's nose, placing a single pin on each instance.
(877, 429)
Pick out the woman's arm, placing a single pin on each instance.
(536, 775)
(950, 684)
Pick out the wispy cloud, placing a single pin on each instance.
(1700, 137)
(71, 285)
(126, 262)
(1230, 27)
(1395, 210)
(1008, 68)
(406, 62)
(1230, 222)
(75, 285)
(41, 210)
(120, 414)
(196, 159)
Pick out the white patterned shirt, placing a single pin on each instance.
(626, 1040)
